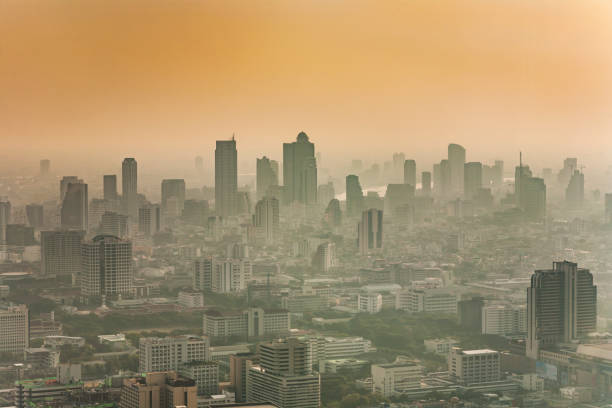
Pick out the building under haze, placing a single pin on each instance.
(608, 208)
(561, 306)
(44, 167)
(574, 193)
(172, 197)
(115, 224)
(226, 177)
(426, 182)
(5, 217)
(106, 267)
(370, 231)
(472, 179)
(35, 216)
(149, 219)
(410, 172)
(110, 187)
(158, 390)
(266, 177)
(354, 196)
(129, 187)
(456, 163)
(75, 207)
(300, 170)
(61, 253)
(170, 353)
(266, 220)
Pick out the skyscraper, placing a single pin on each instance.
(325, 257)
(369, 231)
(426, 183)
(129, 187)
(354, 196)
(60, 252)
(456, 162)
(172, 197)
(574, 193)
(410, 173)
(300, 170)
(106, 266)
(35, 215)
(267, 176)
(608, 208)
(266, 220)
(149, 219)
(226, 177)
(199, 165)
(64, 185)
(114, 224)
(445, 189)
(110, 187)
(333, 213)
(75, 207)
(533, 198)
(45, 167)
(5, 217)
(472, 179)
(561, 306)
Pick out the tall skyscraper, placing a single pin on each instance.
(114, 224)
(472, 179)
(35, 215)
(106, 266)
(325, 257)
(608, 208)
(426, 183)
(129, 186)
(299, 170)
(410, 173)
(5, 217)
(149, 219)
(399, 160)
(266, 220)
(561, 306)
(333, 213)
(45, 167)
(172, 197)
(267, 176)
(354, 196)
(456, 162)
(64, 185)
(445, 189)
(226, 177)
(60, 253)
(370, 231)
(199, 164)
(533, 198)
(75, 207)
(574, 193)
(110, 187)
(570, 164)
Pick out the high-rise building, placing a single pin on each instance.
(472, 181)
(561, 306)
(410, 172)
(284, 376)
(326, 193)
(570, 164)
(173, 197)
(203, 274)
(170, 353)
(14, 329)
(35, 216)
(129, 187)
(426, 182)
(106, 266)
(574, 193)
(75, 207)
(45, 167)
(5, 217)
(370, 231)
(445, 189)
(608, 208)
(60, 252)
(64, 185)
(266, 220)
(504, 319)
(204, 373)
(354, 196)
(267, 176)
(195, 212)
(164, 389)
(456, 162)
(110, 187)
(470, 313)
(300, 170)
(397, 198)
(239, 367)
(226, 177)
(149, 219)
(325, 257)
(469, 367)
(333, 213)
(533, 198)
(114, 224)
(199, 164)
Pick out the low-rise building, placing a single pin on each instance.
(369, 302)
(254, 322)
(440, 346)
(58, 341)
(191, 299)
(159, 390)
(470, 367)
(396, 378)
(427, 300)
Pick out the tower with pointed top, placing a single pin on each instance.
(300, 170)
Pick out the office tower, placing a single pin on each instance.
(45, 167)
(299, 170)
(203, 274)
(325, 257)
(110, 187)
(426, 182)
(399, 159)
(266, 220)
(533, 198)
(75, 207)
(410, 173)
(608, 208)
(231, 275)
(158, 390)
(333, 214)
(445, 189)
(470, 313)
(370, 231)
(114, 224)
(5, 217)
(354, 196)
(149, 219)
(243, 202)
(195, 212)
(239, 367)
(60, 252)
(561, 306)
(570, 165)
(469, 367)
(106, 266)
(172, 197)
(170, 353)
(326, 193)
(397, 198)
(284, 376)
(574, 193)
(498, 173)
(226, 177)
(472, 181)
(199, 164)
(504, 319)
(205, 374)
(437, 179)
(35, 215)
(97, 208)
(14, 328)
(267, 176)
(64, 185)
(129, 187)
(19, 235)
(456, 162)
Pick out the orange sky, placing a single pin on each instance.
(162, 80)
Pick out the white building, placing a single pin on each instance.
(191, 299)
(170, 353)
(474, 366)
(204, 373)
(253, 322)
(396, 378)
(504, 320)
(222, 275)
(369, 302)
(427, 300)
(14, 329)
(440, 346)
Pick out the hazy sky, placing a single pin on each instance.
(162, 80)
